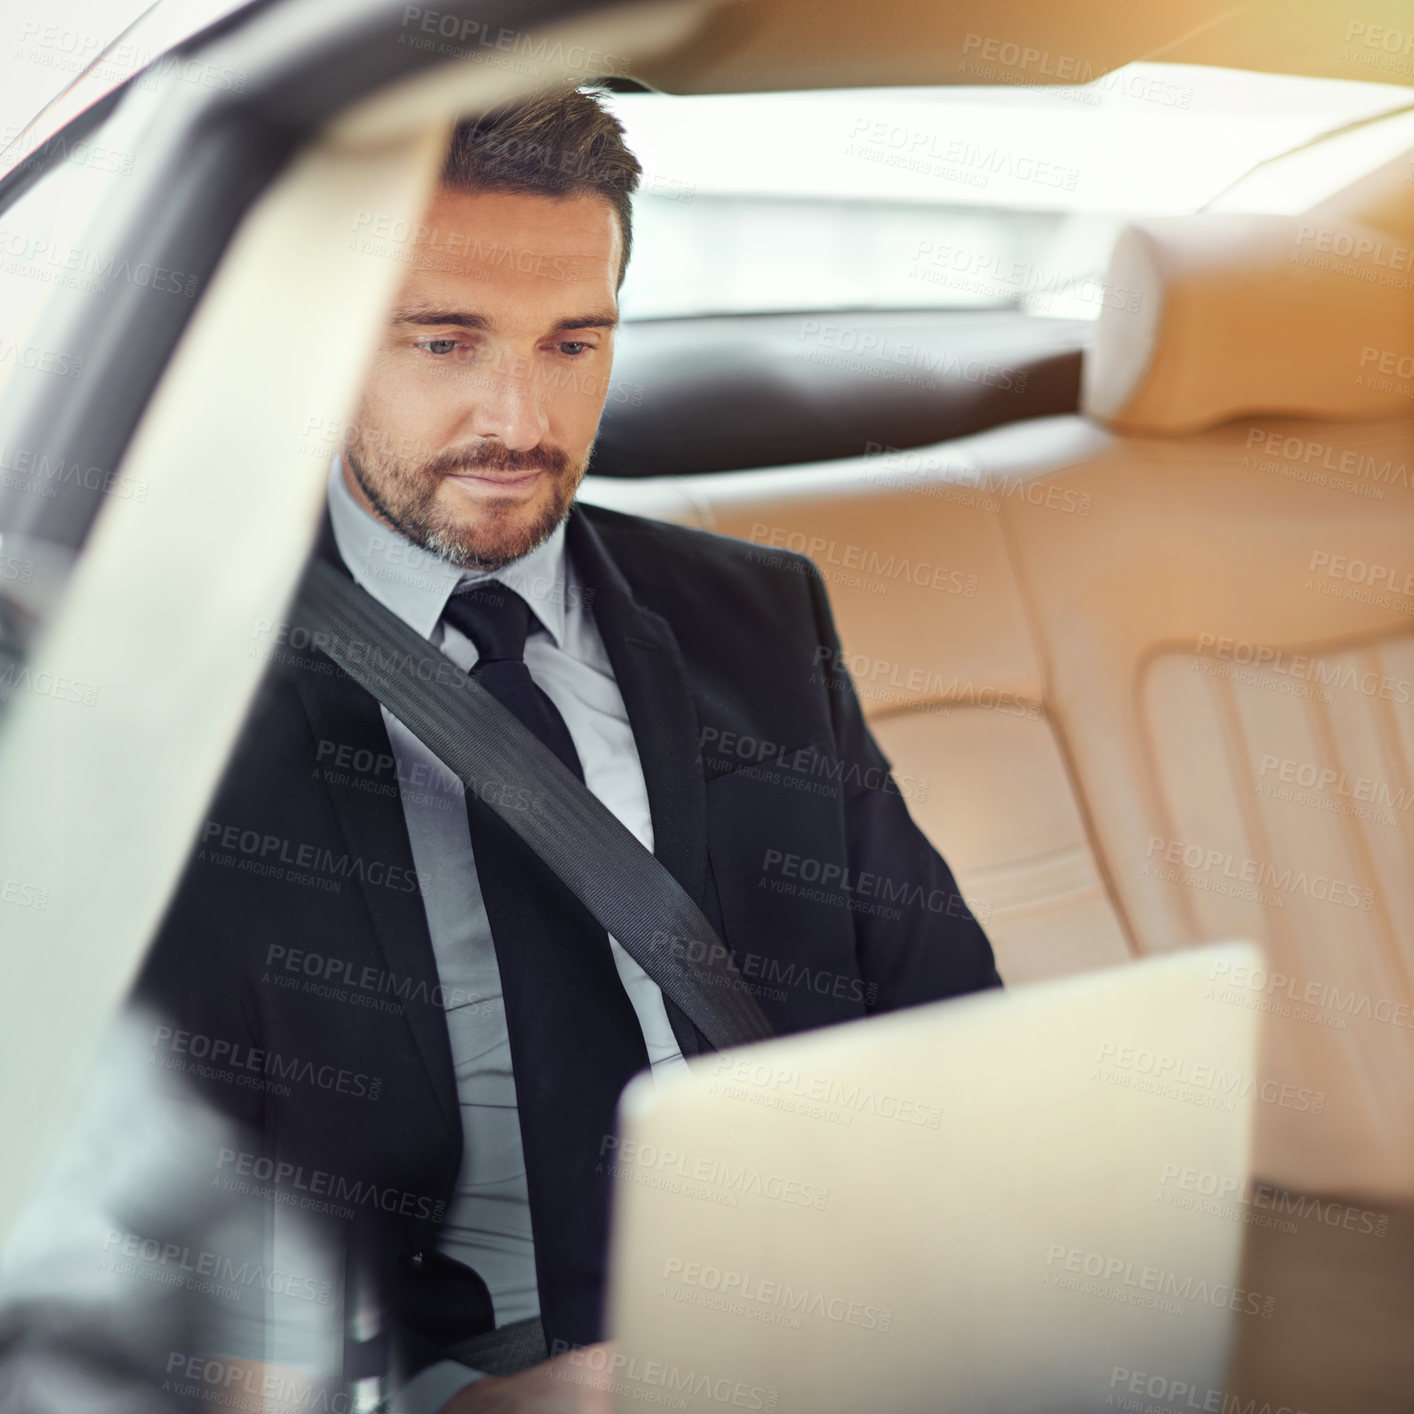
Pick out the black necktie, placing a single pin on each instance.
(575, 1038)
(498, 621)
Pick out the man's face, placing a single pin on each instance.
(476, 421)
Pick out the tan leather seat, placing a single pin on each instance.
(1159, 674)
(1231, 641)
(937, 637)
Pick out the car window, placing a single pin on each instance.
(53, 243)
(42, 248)
(944, 197)
(140, 48)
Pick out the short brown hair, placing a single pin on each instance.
(559, 143)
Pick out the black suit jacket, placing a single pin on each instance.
(294, 974)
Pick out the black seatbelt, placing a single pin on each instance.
(589, 849)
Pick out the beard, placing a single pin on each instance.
(501, 530)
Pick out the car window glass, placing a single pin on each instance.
(50, 239)
(949, 197)
(140, 48)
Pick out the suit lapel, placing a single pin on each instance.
(340, 711)
(652, 678)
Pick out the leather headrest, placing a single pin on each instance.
(1226, 315)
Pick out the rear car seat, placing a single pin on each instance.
(1155, 662)
(937, 638)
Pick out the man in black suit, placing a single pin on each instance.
(410, 1030)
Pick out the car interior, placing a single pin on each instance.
(1127, 590)
(1144, 649)
(1116, 689)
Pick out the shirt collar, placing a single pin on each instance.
(416, 584)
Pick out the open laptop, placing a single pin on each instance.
(1019, 1201)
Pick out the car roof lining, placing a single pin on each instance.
(745, 46)
(774, 45)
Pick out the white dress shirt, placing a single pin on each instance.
(488, 1219)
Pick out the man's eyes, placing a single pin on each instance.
(442, 348)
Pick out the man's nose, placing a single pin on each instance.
(506, 405)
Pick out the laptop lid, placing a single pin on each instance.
(1016, 1201)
